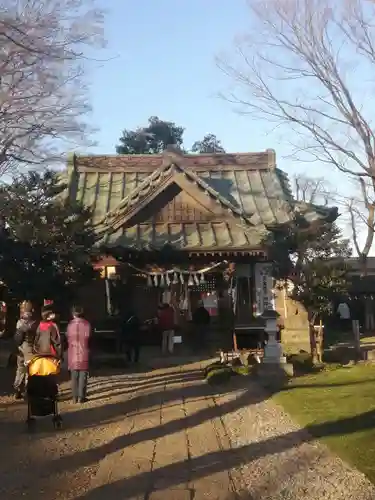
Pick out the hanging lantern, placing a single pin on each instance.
(149, 280)
(156, 280)
(191, 281)
(162, 280)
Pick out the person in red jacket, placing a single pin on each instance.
(47, 339)
(166, 325)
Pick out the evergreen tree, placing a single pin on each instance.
(154, 138)
(46, 246)
(209, 144)
(158, 135)
(311, 258)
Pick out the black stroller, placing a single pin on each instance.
(42, 390)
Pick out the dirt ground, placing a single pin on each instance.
(165, 434)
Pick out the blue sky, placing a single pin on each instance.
(164, 64)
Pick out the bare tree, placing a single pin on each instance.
(313, 190)
(43, 65)
(309, 65)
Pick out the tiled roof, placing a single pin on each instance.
(253, 191)
(120, 163)
(186, 236)
(155, 179)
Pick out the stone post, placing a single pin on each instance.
(357, 337)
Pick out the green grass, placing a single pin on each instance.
(338, 407)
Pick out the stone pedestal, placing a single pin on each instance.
(274, 375)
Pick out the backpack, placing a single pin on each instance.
(43, 344)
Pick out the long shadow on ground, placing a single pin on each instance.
(198, 467)
(218, 461)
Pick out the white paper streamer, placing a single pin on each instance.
(180, 271)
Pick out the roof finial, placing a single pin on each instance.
(271, 158)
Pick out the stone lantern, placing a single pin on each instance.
(273, 352)
(274, 370)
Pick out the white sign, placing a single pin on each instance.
(264, 296)
(177, 340)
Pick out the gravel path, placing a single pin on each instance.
(166, 435)
(280, 461)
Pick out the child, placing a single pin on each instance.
(47, 339)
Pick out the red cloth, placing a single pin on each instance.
(78, 335)
(166, 318)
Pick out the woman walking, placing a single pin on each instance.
(78, 336)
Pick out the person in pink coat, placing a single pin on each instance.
(78, 336)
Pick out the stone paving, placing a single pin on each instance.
(165, 434)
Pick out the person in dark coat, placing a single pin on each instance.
(24, 339)
(131, 336)
(201, 321)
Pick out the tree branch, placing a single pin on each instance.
(295, 69)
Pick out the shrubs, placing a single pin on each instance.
(212, 367)
(302, 362)
(242, 370)
(220, 373)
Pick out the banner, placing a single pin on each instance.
(264, 295)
